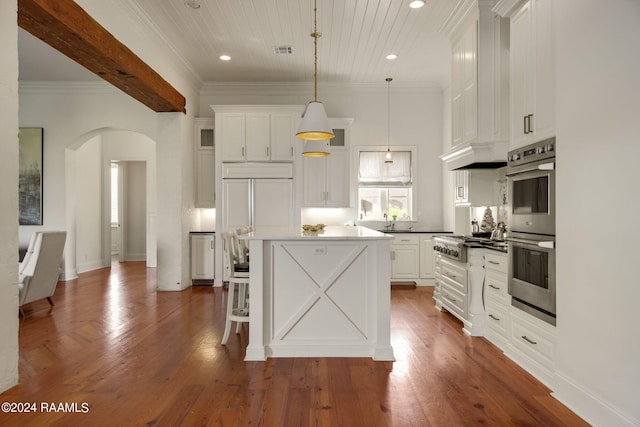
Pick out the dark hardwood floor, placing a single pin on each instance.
(118, 353)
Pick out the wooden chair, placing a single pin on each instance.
(238, 276)
(39, 273)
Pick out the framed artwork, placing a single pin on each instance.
(30, 176)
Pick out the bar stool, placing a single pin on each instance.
(237, 303)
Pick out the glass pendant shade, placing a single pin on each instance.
(316, 148)
(315, 125)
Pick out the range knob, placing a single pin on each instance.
(455, 254)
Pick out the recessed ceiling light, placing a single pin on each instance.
(192, 4)
(225, 57)
(392, 56)
(416, 4)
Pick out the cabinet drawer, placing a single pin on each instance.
(532, 341)
(454, 276)
(405, 239)
(496, 262)
(453, 300)
(497, 317)
(495, 287)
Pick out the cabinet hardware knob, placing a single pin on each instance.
(494, 317)
(530, 116)
(494, 287)
(494, 262)
(524, 337)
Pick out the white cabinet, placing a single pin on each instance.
(476, 187)
(464, 86)
(454, 288)
(230, 134)
(479, 110)
(496, 298)
(532, 71)
(405, 256)
(426, 256)
(205, 163)
(326, 179)
(202, 256)
(532, 345)
(437, 274)
(262, 135)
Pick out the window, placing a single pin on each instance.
(385, 188)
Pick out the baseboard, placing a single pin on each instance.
(405, 285)
(589, 407)
(89, 266)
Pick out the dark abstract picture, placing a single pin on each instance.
(30, 178)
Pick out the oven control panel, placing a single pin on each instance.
(533, 153)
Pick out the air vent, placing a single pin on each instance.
(283, 50)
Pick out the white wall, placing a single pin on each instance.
(598, 200)
(135, 211)
(416, 120)
(8, 195)
(87, 183)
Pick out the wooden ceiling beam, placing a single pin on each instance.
(65, 26)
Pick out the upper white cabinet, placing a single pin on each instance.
(255, 133)
(205, 163)
(532, 70)
(479, 85)
(476, 187)
(464, 85)
(326, 179)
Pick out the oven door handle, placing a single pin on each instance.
(548, 244)
(514, 170)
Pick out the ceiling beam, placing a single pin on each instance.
(65, 26)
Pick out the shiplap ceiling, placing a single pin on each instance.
(356, 37)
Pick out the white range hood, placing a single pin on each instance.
(477, 155)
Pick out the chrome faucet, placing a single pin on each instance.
(388, 224)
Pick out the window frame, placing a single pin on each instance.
(414, 178)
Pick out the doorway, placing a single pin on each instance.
(128, 210)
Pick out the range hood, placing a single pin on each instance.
(477, 155)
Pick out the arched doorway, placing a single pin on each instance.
(88, 189)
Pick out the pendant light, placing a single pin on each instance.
(315, 125)
(316, 148)
(387, 157)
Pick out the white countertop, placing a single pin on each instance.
(330, 232)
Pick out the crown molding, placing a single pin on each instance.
(306, 89)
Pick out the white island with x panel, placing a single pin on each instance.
(319, 294)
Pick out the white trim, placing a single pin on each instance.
(593, 409)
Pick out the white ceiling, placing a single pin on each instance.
(356, 37)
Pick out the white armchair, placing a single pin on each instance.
(39, 270)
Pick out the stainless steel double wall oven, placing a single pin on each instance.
(531, 240)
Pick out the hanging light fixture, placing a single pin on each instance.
(314, 125)
(316, 148)
(387, 157)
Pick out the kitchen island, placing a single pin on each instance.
(319, 294)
